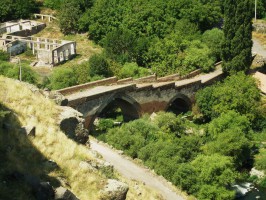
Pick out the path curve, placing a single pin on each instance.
(131, 170)
(258, 48)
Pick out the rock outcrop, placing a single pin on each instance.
(259, 27)
(62, 193)
(114, 190)
(72, 124)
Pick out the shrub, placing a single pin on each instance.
(238, 92)
(99, 65)
(4, 56)
(12, 71)
(105, 124)
(132, 70)
(62, 77)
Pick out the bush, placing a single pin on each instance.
(170, 123)
(4, 56)
(54, 4)
(4, 67)
(105, 124)
(99, 65)
(62, 78)
(132, 70)
(12, 71)
(238, 92)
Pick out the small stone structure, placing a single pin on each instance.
(43, 17)
(16, 37)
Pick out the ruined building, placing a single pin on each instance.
(16, 37)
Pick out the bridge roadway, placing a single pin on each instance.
(98, 90)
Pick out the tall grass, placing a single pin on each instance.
(31, 108)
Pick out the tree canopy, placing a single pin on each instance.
(237, 43)
(14, 9)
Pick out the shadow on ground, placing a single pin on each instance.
(24, 171)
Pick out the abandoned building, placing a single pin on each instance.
(16, 37)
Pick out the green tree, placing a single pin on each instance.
(69, 15)
(237, 43)
(4, 56)
(169, 123)
(119, 45)
(12, 71)
(15, 9)
(198, 56)
(132, 70)
(99, 65)
(238, 92)
(261, 9)
(213, 39)
(54, 4)
(228, 136)
(62, 78)
(229, 120)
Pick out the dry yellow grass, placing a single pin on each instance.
(33, 109)
(261, 37)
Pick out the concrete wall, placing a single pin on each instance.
(64, 52)
(28, 32)
(17, 47)
(48, 51)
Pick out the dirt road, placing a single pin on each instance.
(130, 170)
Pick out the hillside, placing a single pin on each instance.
(48, 155)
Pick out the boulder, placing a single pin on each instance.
(29, 130)
(114, 190)
(86, 166)
(44, 191)
(258, 173)
(72, 124)
(57, 97)
(62, 193)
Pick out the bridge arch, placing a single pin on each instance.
(130, 108)
(180, 103)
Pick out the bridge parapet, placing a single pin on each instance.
(149, 80)
(79, 88)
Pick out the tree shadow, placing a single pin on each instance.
(24, 171)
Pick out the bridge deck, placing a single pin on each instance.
(91, 92)
(99, 90)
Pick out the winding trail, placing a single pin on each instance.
(132, 171)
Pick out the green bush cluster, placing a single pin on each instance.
(13, 9)
(4, 56)
(158, 35)
(164, 146)
(205, 160)
(12, 71)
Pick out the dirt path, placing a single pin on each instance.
(130, 170)
(258, 48)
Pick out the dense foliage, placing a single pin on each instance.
(237, 44)
(165, 36)
(238, 92)
(205, 160)
(12, 71)
(165, 146)
(14, 9)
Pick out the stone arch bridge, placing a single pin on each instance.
(136, 97)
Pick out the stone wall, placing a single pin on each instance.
(49, 51)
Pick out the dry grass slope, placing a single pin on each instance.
(33, 109)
